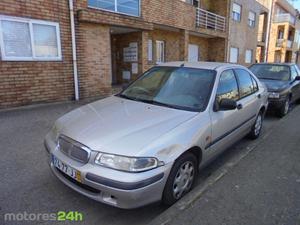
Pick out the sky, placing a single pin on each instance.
(296, 4)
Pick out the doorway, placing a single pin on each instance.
(193, 53)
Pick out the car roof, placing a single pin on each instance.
(276, 64)
(200, 65)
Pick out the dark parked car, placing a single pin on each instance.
(283, 83)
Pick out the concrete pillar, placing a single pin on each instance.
(184, 45)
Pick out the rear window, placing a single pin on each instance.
(271, 72)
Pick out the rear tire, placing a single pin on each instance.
(285, 108)
(257, 127)
(181, 178)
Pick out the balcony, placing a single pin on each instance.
(280, 43)
(283, 18)
(261, 37)
(209, 20)
(289, 44)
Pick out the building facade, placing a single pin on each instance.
(115, 41)
(283, 33)
(243, 31)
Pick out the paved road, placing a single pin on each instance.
(28, 185)
(262, 187)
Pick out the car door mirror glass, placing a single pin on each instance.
(227, 104)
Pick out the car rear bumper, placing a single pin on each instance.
(115, 188)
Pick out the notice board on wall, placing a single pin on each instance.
(130, 54)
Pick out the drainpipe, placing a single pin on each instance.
(268, 31)
(75, 72)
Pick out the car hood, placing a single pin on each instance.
(275, 85)
(120, 126)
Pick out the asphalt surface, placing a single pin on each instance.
(261, 187)
(261, 184)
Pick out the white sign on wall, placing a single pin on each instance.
(134, 68)
(130, 54)
(126, 75)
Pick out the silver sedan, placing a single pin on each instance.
(149, 142)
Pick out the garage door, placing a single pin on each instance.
(193, 53)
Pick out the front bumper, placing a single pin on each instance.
(112, 187)
(275, 104)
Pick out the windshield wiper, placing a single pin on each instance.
(153, 102)
(135, 99)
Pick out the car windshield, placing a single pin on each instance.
(180, 88)
(271, 72)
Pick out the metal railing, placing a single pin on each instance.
(261, 37)
(285, 17)
(289, 44)
(209, 20)
(280, 43)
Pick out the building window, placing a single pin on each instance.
(160, 52)
(248, 56)
(234, 53)
(236, 12)
(251, 19)
(128, 7)
(29, 40)
(150, 50)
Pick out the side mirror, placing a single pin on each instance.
(225, 105)
(297, 78)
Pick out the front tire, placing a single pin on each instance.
(181, 178)
(285, 108)
(257, 127)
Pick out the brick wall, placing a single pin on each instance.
(94, 60)
(32, 82)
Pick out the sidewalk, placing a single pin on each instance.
(263, 188)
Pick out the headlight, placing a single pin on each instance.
(274, 95)
(129, 164)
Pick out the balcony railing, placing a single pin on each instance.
(280, 43)
(289, 44)
(209, 20)
(285, 17)
(261, 37)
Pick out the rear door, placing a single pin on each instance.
(248, 103)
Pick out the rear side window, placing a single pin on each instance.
(255, 85)
(245, 82)
(228, 87)
(294, 72)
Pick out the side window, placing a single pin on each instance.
(245, 82)
(294, 72)
(228, 87)
(255, 85)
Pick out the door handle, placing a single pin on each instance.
(239, 106)
(259, 96)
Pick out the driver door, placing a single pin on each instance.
(224, 122)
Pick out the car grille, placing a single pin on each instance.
(74, 149)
